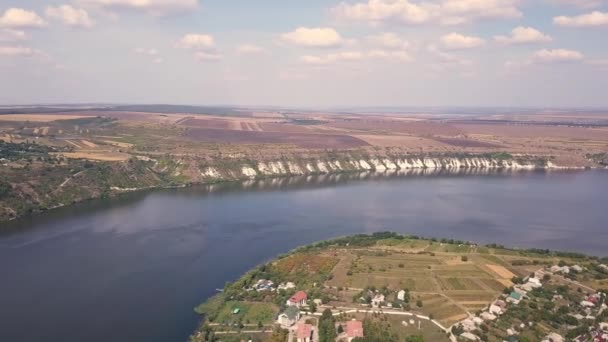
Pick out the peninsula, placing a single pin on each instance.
(389, 287)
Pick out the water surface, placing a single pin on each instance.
(132, 268)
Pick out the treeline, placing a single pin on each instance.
(24, 150)
(366, 240)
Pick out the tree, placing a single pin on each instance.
(464, 258)
(414, 338)
(327, 327)
(419, 303)
(340, 329)
(457, 329)
(517, 280)
(279, 335)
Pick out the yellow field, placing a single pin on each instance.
(39, 117)
(97, 155)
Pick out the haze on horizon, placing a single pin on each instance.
(310, 53)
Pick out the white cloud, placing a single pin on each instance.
(333, 57)
(402, 11)
(457, 41)
(467, 10)
(10, 35)
(546, 57)
(196, 41)
(202, 44)
(250, 49)
(447, 12)
(18, 51)
(388, 40)
(155, 7)
(322, 37)
(354, 56)
(20, 18)
(207, 56)
(524, 35)
(595, 18)
(557, 56)
(68, 15)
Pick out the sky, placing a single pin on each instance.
(545, 53)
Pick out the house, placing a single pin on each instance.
(401, 295)
(587, 304)
(486, 316)
(354, 329)
(304, 332)
(378, 300)
(264, 285)
(577, 268)
(603, 267)
(523, 289)
(527, 287)
(535, 282)
(495, 309)
(286, 286)
(560, 269)
(500, 303)
(595, 299)
(298, 299)
(469, 336)
(477, 320)
(468, 325)
(553, 337)
(289, 317)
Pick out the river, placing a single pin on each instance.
(132, 268)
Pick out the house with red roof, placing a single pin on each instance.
(354, 329)
(298, 299)
(304, 332)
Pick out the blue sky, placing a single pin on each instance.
(306, 53)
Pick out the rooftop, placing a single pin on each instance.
(354, 329)
(298, 297)
(304, 330)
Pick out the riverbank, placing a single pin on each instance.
(378, 278)
(31, 187)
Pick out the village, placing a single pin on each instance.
(545, 299)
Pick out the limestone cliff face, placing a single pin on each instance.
(249, 170)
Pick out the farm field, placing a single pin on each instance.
(567, 138)
(448, 286)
